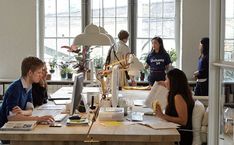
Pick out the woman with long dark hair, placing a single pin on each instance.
(180, 104)
(202, 74)
(158, 61)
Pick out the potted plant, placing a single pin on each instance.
(63, 70)
(52, 64)
(69, 73)
(98, 63)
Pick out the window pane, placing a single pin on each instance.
(143, 46)
(50, 29)
(229, 9)
(168, 29)
(95, 21)
(156, 8)
(169, 44)
(75, 26)
(122, 8)
(143, 8)
(62, 7)
(121, 24)
(109, 8)
(50, 8)
(75, 7)
(63, 54)
(50, 49)
(229, 50)
(63, 27)
(96, 8)
(143, 27)
(169, 10)
(155, 27)
(109, 25)
(229, 28)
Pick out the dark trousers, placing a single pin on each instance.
(201, 89)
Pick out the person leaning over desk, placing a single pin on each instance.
(17, 102)
(158, 60)
(180, 104)
(39, 90)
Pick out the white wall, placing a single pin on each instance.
(17, 35)
(195, 25)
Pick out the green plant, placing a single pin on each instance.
(172, 54)
(143, 60)
(98, 62)
(53, 63)
(63, 67)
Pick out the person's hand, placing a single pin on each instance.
(46, 118)
(159, 112)
(17, 110)
(134, 83)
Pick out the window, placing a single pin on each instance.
(155, 18)
(113, 16)
(229, 38)
(62, 24)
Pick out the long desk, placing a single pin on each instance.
(100, 134)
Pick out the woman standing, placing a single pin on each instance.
(180, 104)
(202, 74)
(158, 61)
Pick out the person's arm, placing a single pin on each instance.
(181, 109)
(168, 67)
(21, 117)
(18, 110)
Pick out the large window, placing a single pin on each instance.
(113, 16)
(62, 24)
(155, 18)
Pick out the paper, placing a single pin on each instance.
(111, 123)
(51, 107)
(159, 93)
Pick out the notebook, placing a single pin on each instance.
(19, 125)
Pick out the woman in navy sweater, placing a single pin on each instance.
(158, 61)
(202, 74)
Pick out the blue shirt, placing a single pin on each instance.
(158, 61)
(16, 95)
(203, 67)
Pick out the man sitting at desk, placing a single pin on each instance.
(17, 102)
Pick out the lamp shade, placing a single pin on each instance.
(102, 30)
(92, 36)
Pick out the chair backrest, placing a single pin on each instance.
(197, 117)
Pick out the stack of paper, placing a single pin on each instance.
(82, 121)
(158, 93)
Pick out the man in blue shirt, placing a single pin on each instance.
(17, 102)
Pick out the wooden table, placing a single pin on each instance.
(128, 134)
